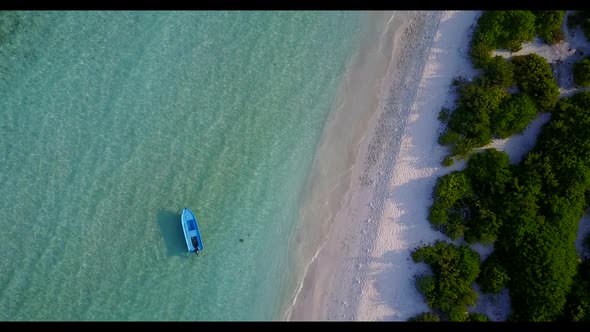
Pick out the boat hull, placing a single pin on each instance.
(190, 227)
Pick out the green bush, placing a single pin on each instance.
(489, 175)
(518, 27)
(427, 286)
(453, 270)
(499, 71)
(513, 116)
(577, 307)
(449, 137)
(425, 317)
(449, 196)
(464, 208)
(484, 38)
(548, 25)
(463, 147)
(477, 102)
(448, 162)
(541, 214)
(444, 114)
(581, 71)
(451, 187)
(477, 317)
(534, 77)
(493, 277)
(480, 54)
(510, 29)
(536, 248)
(459, 81)
(501, 30)
(531, 211)
(455, 228)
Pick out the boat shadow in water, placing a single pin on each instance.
(172, 233)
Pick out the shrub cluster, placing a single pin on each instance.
(425, 317)
(448, 289)
(509, 29)
(548, 25)
(529, 211)
(534, 77)
(485, 110)
(581, 71)
(465, 203)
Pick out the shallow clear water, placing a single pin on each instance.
(112, 122)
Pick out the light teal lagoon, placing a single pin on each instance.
(112, 122)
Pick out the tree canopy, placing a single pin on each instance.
(581, 71)
(535, 78)
(448, 289)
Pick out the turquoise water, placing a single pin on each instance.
(111, 123)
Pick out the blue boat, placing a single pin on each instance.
(192, 235)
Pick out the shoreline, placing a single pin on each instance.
(331, 174)
(335, 266)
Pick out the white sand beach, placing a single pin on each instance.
(363, 270)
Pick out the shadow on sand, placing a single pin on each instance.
(172, 234)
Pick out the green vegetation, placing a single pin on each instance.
(530, 211)
(577, 307)
(425, 317)
(499, 71)
(534, 77)
(501, 30)
(485, 109)
(493, 277)
(548, 25)
(476, 103)
(448, 161)
(581, 18)
(451, 194)
(518, 26)
(509, 29)
(477, 317)
(444, 114)
(469, 125)
(581, 71)
(513, 115)
(543, 211)
(448, 289)
(489, 174)
(465, 201)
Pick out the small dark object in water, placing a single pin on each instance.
(241, 240)
(248, 234)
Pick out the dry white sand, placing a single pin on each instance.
(363, 270)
